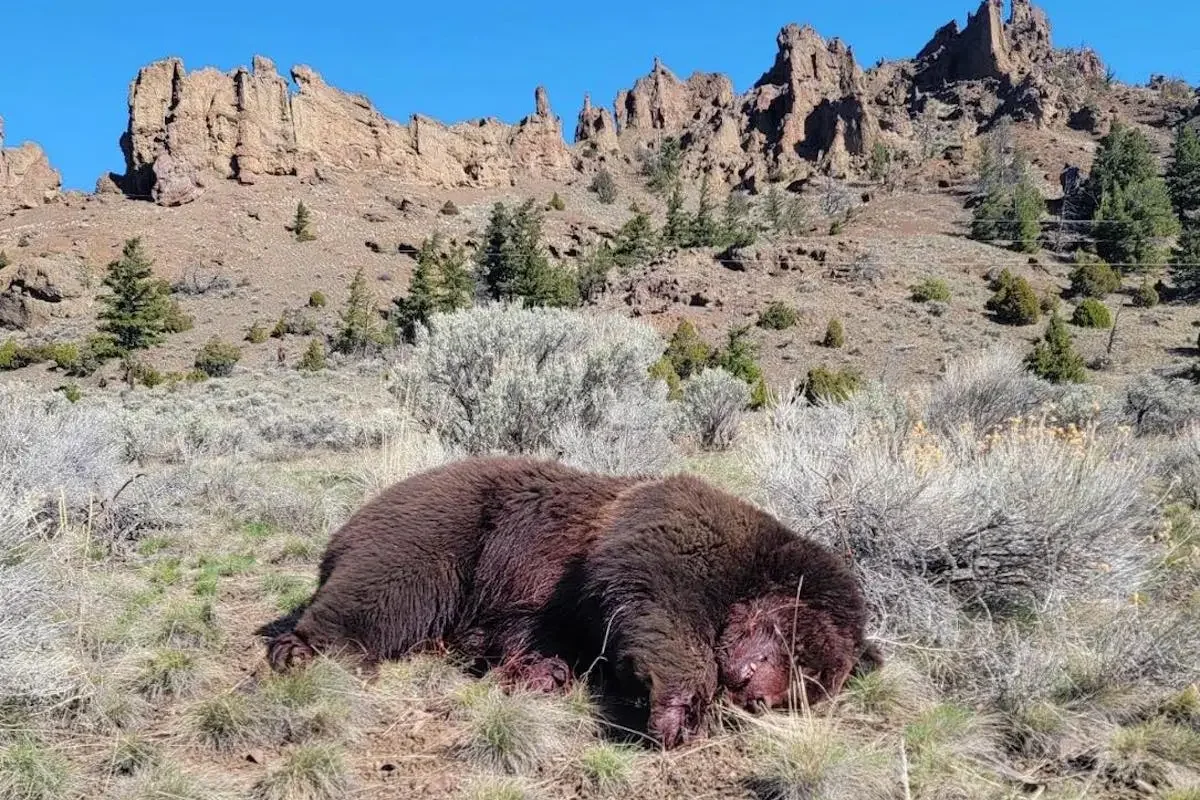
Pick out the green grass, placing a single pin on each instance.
(29, 770)
(191, 623)
(510, 732)
(607, 766)
(290, 591)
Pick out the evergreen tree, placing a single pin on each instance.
(1054, 357)
(1133, 222)
(1185, 262)
(636, 242)
(1133, 210)
(134, 315)
(1026, 215)
(773, 210)
(604, 186)
(594, 271)
(687, 352)
(678, 230)
(456, 287)
(494, 265)
(735, 225)
(705, 231)
(360, 330)
(302, 225)
(1183, 178)
(662, 170)
(416, 307)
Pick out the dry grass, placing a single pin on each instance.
(1079, 677)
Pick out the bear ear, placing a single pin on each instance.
(870, 658)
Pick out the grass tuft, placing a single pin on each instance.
(132, 754)
(309, 772)
(223, 722)
(29, 770)
(167, 672)
(496, 789)
(801, 758)
(607, 766)
(510, 732)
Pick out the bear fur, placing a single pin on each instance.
(661, 590)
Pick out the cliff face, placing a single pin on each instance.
(187, 128)
(26, 177)
(815, 108)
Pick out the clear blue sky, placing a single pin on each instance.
(66, 64)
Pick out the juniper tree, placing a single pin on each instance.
(419, 304)
(134, 314)
(678, 230)
(705, 231)
(593, 272)
(513, 265)
(1134, 212)
(1054, 358)
(662, 170)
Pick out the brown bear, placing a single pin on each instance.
(663, 590)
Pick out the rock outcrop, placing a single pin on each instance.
(987, 47)
(40, 288)
(186, 128)
(811, 104)
(815, 108)
(26, 178)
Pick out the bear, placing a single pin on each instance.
(689, 589)
(460, 557)
(663, 591)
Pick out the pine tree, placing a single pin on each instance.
(735, 226)
(1027, 209)
(1054, 357)
(495, 265)
(302, 225)
(687, 351)
(134, 315)
(594, 271)
(1134, 212)
(456, 287)
(359, 328)
(773, 210)
(1185, 262)
(705, 231)
(662, 170)
(1183, 178)
(636, 242)
(416, 307)
(678, 230)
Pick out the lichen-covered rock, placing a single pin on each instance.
(39, 288)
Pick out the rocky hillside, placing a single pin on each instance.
(216, 163)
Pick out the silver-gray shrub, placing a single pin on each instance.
(632, 438)
(1179, 465)
(714, 405)
(57, 461)
(501, 378)
(1026, 519)
(977, 393)
(1162, 405)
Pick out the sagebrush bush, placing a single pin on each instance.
(1091, 313)
(714, 404)
(939, 527)
(317, 300)
(977, 393)
(501, 377)
(1161, 405)
(1145, 296)
(823, 385)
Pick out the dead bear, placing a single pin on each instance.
(663, 590)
